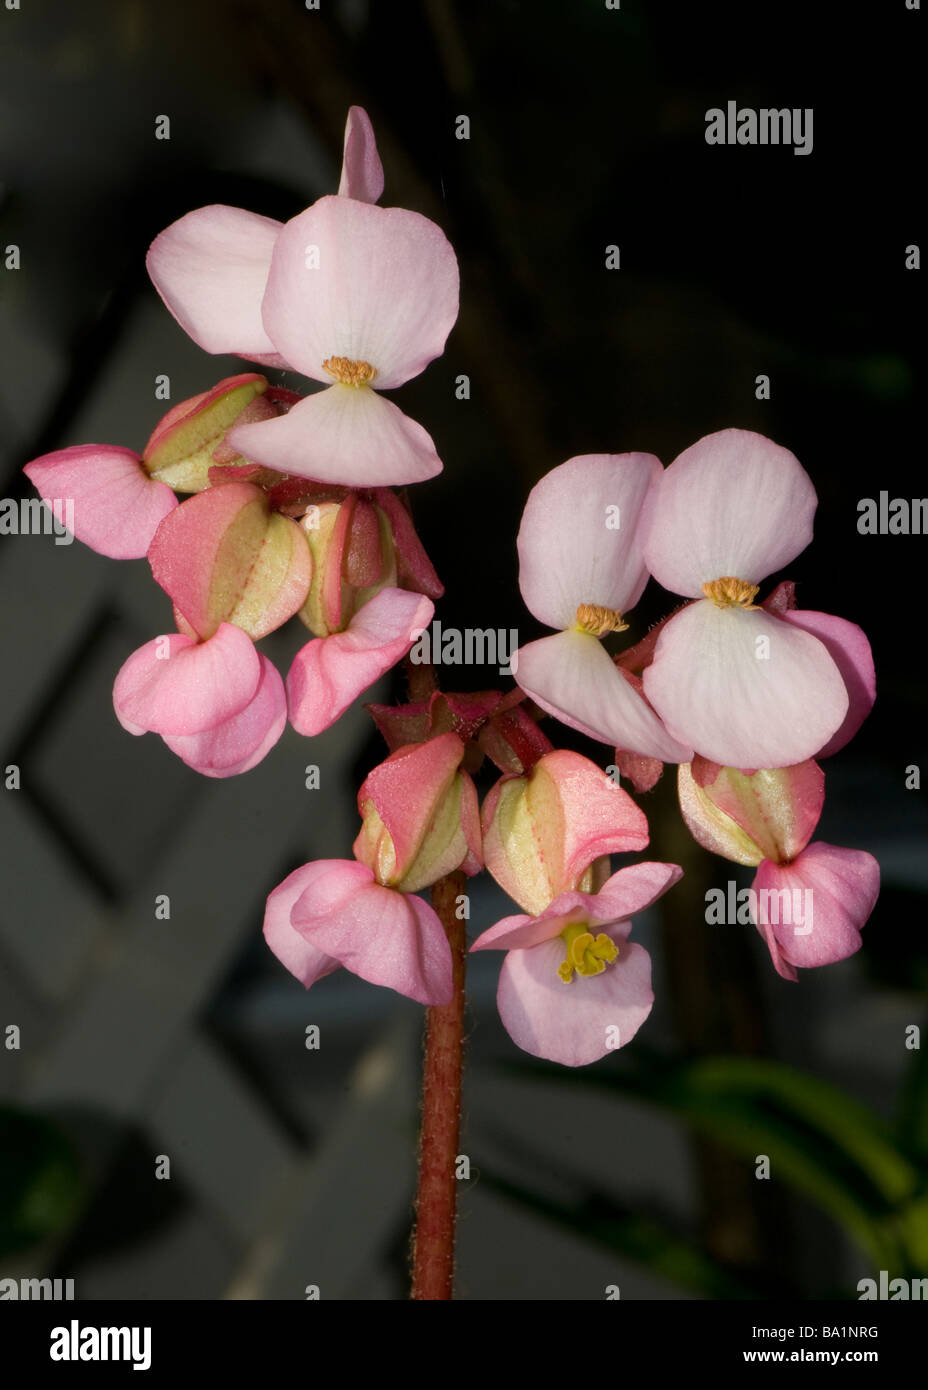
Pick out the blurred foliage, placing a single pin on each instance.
(820, 1142)
(41, 1180)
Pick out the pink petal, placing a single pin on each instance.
(643, 773)
(827, 895)
(347, 434)
(224, 556)
(376, 285)
(406, 789)
(211, 269)
(362, 171)
(174, 685)
(238, 744)
(329, 673)
(631, 890)
(291, 948)
(575, 1023)
(732, 504)
(770, 814)
(597, 816)
(572, 676)
(389, 938)
(595, 557)
(714, 689)
(848, 647)
(117, 507)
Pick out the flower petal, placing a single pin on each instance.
(370, 284)
(389, 938)
(239, 743)
(572, 676)
(580, 539)
(117, 507)
(362, 171)
(575, 1023)
(347, 434)
(745, 689)
(848, 647)
(224, 556)
(211, 269)
(331, 672)
(733, 504)
(174, 685)
(816, 906)
(292, 949)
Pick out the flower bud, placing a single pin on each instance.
(420, 816)
(747, 817)
(542, 833)
(225, 556)
(354, 557)
(190, 439)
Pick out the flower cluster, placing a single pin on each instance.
(291, 508)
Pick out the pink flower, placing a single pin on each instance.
(358, 297)
(217, 703)
(741, 686)
(808, 901)
(420, 823)
(120, 499)
(364, 623)
(572, 987)
(581, 569)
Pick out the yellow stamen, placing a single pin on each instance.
(597, 621)
(729, 592)
(585, 954)
(348, 372)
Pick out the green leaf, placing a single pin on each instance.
(826, 1145)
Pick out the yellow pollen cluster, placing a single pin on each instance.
(586, 955)
(729, 592)
(597, 621)
(348, 372)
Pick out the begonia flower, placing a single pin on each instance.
(355, 296)
(572, 986)
(808, 901)
(581, 569)
(743, 687)
(420, 822)
(363, 622)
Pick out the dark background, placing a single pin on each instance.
(185, 1038)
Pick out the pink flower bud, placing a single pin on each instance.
(190, 439)
(354, 558)
(420, 816)
(746, 817)
(542, 832)
(224, 556)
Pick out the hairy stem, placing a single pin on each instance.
(433, 1241)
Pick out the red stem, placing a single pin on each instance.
(433, 1242)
